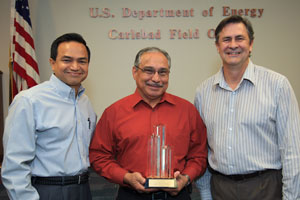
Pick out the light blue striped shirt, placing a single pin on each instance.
(47, 133)
(254, 127)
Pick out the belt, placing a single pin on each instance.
(240, 177)
(159, 195)
(61, 180)
(152, 195)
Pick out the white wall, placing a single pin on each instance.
(193, 60)
(4, 50)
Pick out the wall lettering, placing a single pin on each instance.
(174, 33)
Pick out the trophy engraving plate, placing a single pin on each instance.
(161, 183)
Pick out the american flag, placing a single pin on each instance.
(24, 68)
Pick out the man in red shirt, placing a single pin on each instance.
(118, 150)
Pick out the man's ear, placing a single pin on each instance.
(251, 45)
(217, 46)
(134, 72)
(52, 63)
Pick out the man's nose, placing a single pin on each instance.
(233, 44)
(75, 65)
(156, 77)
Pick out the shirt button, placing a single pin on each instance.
(230, 129)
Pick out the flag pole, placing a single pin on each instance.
(10, 66)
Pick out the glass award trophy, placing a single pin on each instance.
(160, 173)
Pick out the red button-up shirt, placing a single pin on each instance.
(120, 141)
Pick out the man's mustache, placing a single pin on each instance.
(155, 84)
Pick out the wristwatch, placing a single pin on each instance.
(188, 177)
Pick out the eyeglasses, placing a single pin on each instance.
(163, 72)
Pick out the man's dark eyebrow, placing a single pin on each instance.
(240, 36)
(67, 57)
(83, 58)
(226, 37)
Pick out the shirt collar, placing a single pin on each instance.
(63, 89)
(248, 75)
(137, 98)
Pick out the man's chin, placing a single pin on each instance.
(155, 91)
(74, 83)
(155, 94)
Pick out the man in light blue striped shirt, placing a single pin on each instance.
(253, 124)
